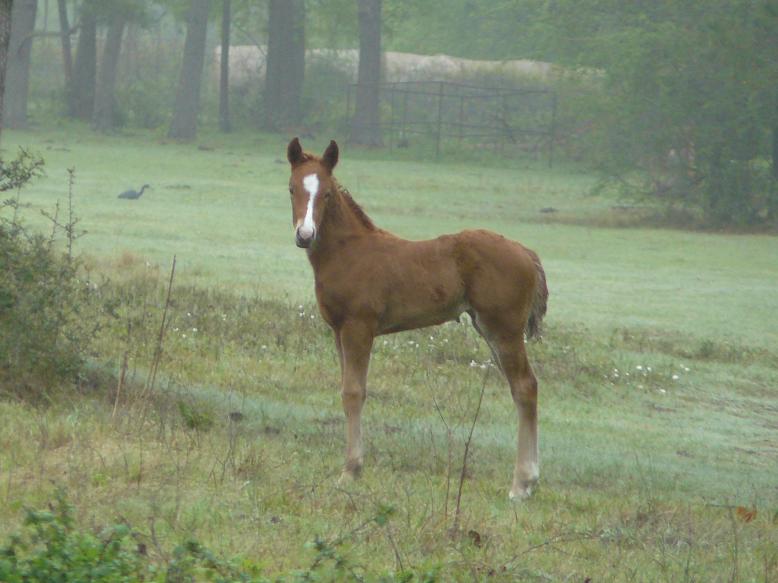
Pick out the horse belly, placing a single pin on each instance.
(418, 302)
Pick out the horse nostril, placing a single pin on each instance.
(303, 237)
(302, 241)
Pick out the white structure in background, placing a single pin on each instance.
(247, 65)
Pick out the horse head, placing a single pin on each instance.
(310, 185)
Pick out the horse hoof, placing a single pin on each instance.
(350, 474)
(347, 478)
(524, 491)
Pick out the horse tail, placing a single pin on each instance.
(534, 327)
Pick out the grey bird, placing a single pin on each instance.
(133, 194)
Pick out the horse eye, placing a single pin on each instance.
(291, 190)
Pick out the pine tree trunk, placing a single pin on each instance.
(81, 96)
(365, 128)
(285, 64)
(67, 55)
(17, 80)
(184, 125)
(224, 77)
(105, 92)
(5, 37)
(774, 156)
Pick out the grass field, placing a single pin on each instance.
(658, 379)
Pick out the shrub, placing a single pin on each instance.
(51, 550)
(43, 338)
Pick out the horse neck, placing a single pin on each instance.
(340, 221)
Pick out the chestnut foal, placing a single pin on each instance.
(370, 282)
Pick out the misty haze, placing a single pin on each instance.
(364, 290)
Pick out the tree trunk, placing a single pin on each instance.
(5, 37)
(365, 128)
(285, 68)
(81, 94)
(775, 139)
(67, 55)
(19, 53)
(184, 125)
(105, 92)
(775, 152)
(224, 78)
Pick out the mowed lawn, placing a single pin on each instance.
(658, 374)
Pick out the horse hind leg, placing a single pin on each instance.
(481, 331)
(524, 389)
(511, 356)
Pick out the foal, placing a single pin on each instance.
(370, 282)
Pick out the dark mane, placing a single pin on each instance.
(355, 208)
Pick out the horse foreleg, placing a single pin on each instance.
(356, 341)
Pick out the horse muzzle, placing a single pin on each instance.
(304, 238)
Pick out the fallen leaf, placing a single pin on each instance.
(745, 514)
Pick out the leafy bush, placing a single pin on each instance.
(51, 550)
(145, 105)
(324, 92)
(684, 109)
(43, 337)
(40, 334)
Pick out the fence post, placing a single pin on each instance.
(347, 122)
(405, 114)
(391, 117)
(440, 120)
(505, 127)
(461, 117)
(553, 130)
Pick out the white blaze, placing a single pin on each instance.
(311, 184)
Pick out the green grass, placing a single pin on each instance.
(641, 472)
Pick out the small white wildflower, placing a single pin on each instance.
(300, 307)
(264, 347)
(639, 367)
(483, 366)
(386, 342)
(411, 342)
(662, 391)
(432, 338)
(686, 369)
(676, 377)
(473, 364)
(313, 316)
(648, 368)
(445, 340)
(194, 329)
(183, 335)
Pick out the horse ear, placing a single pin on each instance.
(330, 158)
(294, 152)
